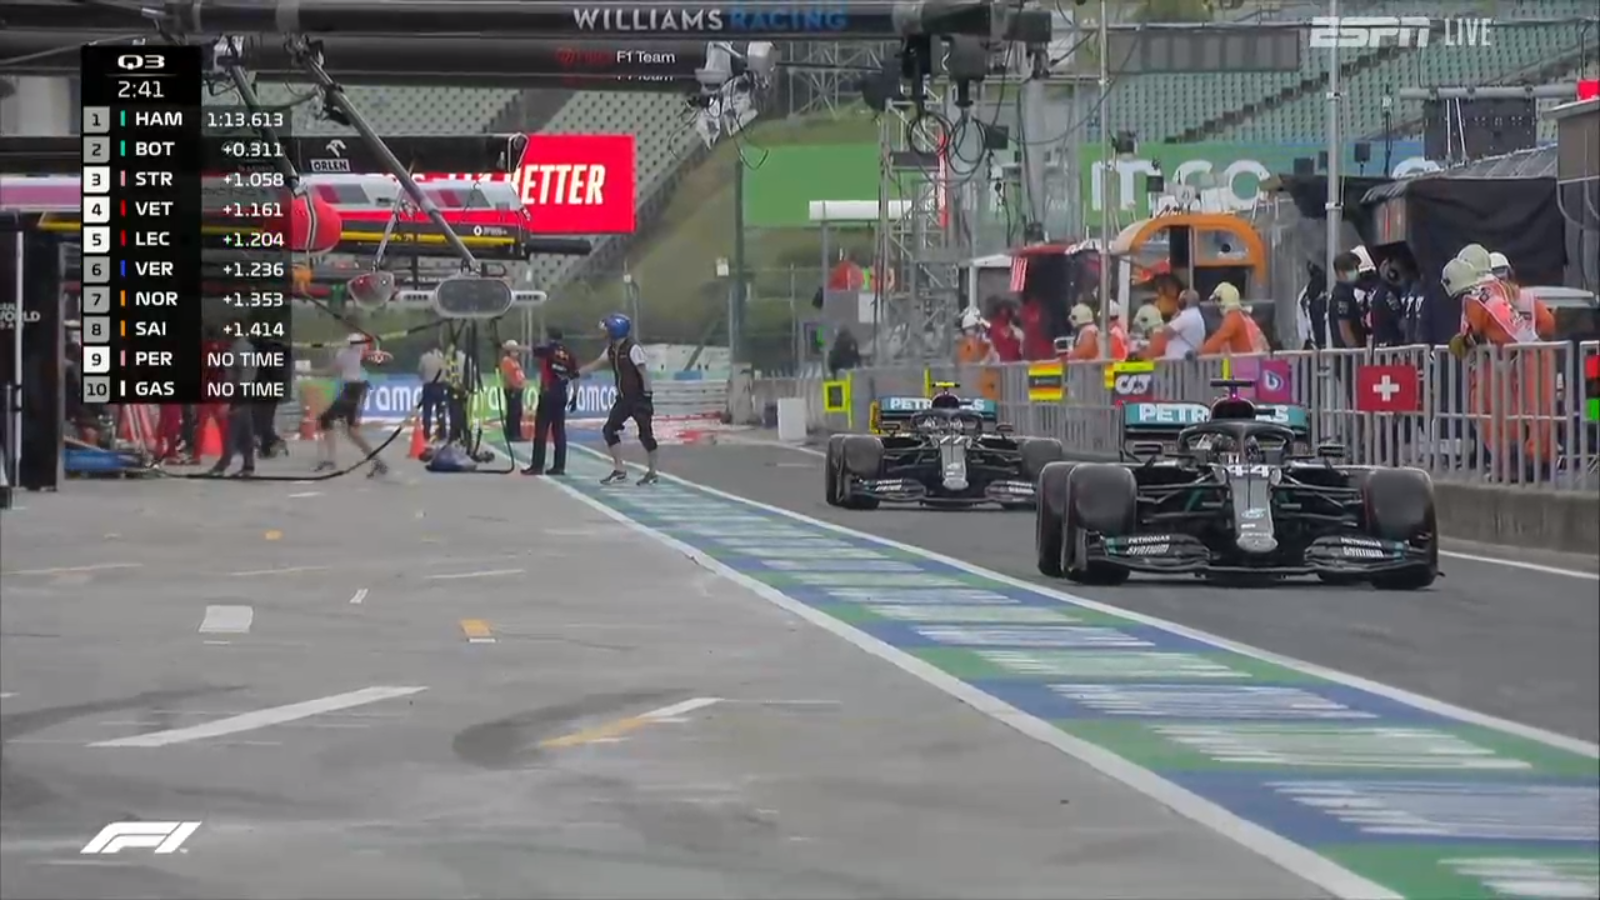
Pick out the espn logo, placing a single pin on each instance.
(162, 837)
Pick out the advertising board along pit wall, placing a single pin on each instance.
(778, 195)
(394, 397)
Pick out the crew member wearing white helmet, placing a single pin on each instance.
(1147, 336)
(1523, 383)
(350, 367)
(975, 348)
(1524, 301)
(1477, 256)
(1238, 333)
(1086, 341)
(1492, 310)
(1501, 267)
(513, 384)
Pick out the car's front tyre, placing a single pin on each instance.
(859, 456)
(1101, 499)
(1050, 518)
(1399, 507)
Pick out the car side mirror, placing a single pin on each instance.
(1002, 428)
(1146, 449)
(1330, 451)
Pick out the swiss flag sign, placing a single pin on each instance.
(1389, 389)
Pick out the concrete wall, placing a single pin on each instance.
(1561, 521)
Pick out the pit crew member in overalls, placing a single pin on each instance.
(557, 368)
(634, 400)
(350, 366)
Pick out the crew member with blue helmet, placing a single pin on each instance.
(627, 361)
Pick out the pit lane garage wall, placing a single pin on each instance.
(1510, 435)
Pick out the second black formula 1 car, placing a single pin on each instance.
(1234, 491)
(943, 451)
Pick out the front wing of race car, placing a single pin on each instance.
(1332, 555)
(930, 489)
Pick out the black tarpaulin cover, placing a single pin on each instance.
(1514, 216)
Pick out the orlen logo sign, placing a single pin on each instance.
(571, 183)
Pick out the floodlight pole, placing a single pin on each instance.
(1335, 205)
(1107, 153)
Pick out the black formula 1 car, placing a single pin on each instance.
(1234, 491)
(941, 452)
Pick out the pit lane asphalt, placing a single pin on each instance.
(820, 773)
(1511, 642)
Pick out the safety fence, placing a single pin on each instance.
(1526, 414)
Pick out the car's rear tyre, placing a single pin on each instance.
(1036, 454)
(1399, 507)
(860, 456)
(1049, 517)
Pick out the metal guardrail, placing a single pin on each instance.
(691, 398)
(1503, 415)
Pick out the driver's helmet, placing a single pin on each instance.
(946, 400)
(1232, 408)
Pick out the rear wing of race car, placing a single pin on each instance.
(1161, 422)
(896, 411)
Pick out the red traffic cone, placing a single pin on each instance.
(210, 438)
(419, 441)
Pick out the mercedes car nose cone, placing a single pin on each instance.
(1255, 542)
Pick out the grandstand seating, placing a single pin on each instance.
(663, 143)
(1519, 53)
(1290, 107)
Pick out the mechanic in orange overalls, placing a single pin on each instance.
(1511, 395)
(1238, 333)
(1149, 333)
(1529, 305)
(1086, 343)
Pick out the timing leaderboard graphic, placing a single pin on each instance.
(172, 192)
